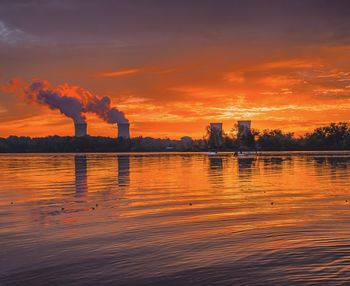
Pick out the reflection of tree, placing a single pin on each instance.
(335, 169)
(334, 163)
(80, 163)
(123, 170)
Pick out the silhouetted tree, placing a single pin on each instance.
(271, 140)
(335, 136)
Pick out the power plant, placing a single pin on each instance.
(80, 129)
(244, 127)
(215, 135)
(76, 106)
(124, 130)
(216, 128)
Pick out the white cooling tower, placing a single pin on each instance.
(123, 130)
(80, 129)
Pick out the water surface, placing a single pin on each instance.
(174, 219)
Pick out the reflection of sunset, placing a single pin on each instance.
(174, 211)
(217, 185)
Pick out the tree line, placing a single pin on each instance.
(335, 136)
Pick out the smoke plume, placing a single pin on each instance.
(102, 108)
(70, 106)
(74, 102)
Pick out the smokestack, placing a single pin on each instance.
(80, 129)
(74, 102)
(123, 130)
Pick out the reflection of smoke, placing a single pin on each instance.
(81, 185)
(123, 170)
(74, 102)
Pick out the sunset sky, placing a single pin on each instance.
(173, 66)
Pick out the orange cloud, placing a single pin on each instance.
(292, 63)
(234, 77)
(180, 95)
(118, 73)
(280, 81)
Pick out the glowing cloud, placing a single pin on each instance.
(118, 73)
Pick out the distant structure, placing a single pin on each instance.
(187, 142)
(123, 130)
(216, 128)
(245, 136)
(215, 136)
(80, 129)
(186, 139)
(244, 127)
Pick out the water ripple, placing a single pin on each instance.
(174, 219)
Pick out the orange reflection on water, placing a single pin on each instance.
(167, 213)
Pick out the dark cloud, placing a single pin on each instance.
(167, 20)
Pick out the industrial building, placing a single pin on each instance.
(80, 129)
(244, 127)
(124, 130)
(216, 128)
(215, 135)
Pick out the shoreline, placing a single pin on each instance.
(247, 154)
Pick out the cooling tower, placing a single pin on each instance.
(216, 128)
(80, 129)
(244, 127)
(123, 130)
